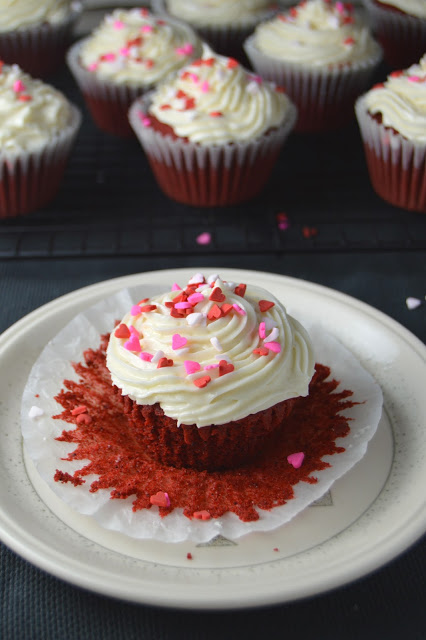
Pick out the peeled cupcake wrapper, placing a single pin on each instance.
(402, 36)
(30, 179)
(324, 97)
(397, 166)
(209, 175)
(39, 49)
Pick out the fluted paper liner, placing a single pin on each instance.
(46, 453)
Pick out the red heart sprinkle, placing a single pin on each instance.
(176, 313)
(161, 499)
(262, 351)
(214, 313)
(202, 382)
(148, 307)
(264, 305)
(225, 367)
(202, 515)
(122, 331)
(217, 295)
(164, 362)
(226, 308)
(232, 63)
(240, 290)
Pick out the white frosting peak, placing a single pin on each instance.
(257, 372)
(218, 12)
(412, 7)
(15, 14)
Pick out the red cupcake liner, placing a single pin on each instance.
(397, 166)
(402, 36)
(29, 180)
(204, 176)
(38, 50)
(211, 448)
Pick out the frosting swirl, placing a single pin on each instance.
(31, 112)
(214, 100)
(413, 7)
(137, 48)
(219, 12)
(15, 14)
(210, 354)
(316, 33)
(401, 101)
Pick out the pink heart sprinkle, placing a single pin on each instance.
(191, 366)
(135, 310)
(18, 86)
(262, 330)
(183, 305)
(147, 28)
(239, 309)
(133, 344)
(146, 356)
(93, 66)
(273, 346)
(211, 366)
(125, 51)
(176, 287)
(296, 459)
(118, 24)
(178, 341)
(134, 331)
(204, 238)
(194, 298)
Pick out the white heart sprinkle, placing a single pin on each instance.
(194, 318)
(413, 303)
(216, 344)
(157, 356)
(273, 335)
(212, 278)
(197, 278)
(35, 412)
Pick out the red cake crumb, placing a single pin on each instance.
(122, 465)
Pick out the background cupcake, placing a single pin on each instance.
(322, 55)
(208, 373)
(392, 120)
(129, 53)
(400, 27)
(224, 24)
(212, 133)
(38, 128)
(35, 34)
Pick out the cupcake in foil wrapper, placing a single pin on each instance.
(401, 35)
(323, 87)
(39, 48)
(117, 68)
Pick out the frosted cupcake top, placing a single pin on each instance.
(31, 113)
(316, 33)
(210, 353)
(413, 7)
(214, 100)
(219, 12)
(25, 13)
(401, 101)
(137, 48)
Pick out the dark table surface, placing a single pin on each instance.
(110, 219)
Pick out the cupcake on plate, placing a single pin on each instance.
(209, 373)
(392, 120)
(400, 27)
(213, 132)
(38, 128)
(36, 34)
(224, 24)
(322, 54)
(128, 54)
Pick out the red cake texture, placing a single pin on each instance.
(118, 457)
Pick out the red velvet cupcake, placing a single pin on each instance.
(213, 132)
(209, 373)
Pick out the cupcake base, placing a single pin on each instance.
(208, 448)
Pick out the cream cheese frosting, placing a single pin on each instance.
(219, 12)
(32, 113)
(413, 7)
(137, 48)
(210, 354)
(401, 101)
(316, 33)
(15, 14)
(214, 100)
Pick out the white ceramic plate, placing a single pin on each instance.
(374, 512)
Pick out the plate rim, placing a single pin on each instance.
(97, 290)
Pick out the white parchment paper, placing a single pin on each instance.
(39, 432)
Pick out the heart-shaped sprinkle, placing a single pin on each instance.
(262, 330)
(194, 298)
(273, 346)
(214, 313)
(211, 366)
(77, 410)
(197, 278)
(133, 344)
(412, 303)
(191, 366)
(35, 412)
(194, 318)
(211, 279)
(226, 308)
(157, 356)
(148, 307)
(296, 459)
(147, 357)
(135, 310)
(134, 332)
(262, 351)
(122, 331)
(273, 335)
(239, 310)
(164, 362)
(217, 295)
(240, 290)
(265, 305)
(176, 287)
(216, 344)
(225, 367)
(202, 515)
(175, 313)
(160, 499)
(178, 341)
(202, 382)
(183, 305)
